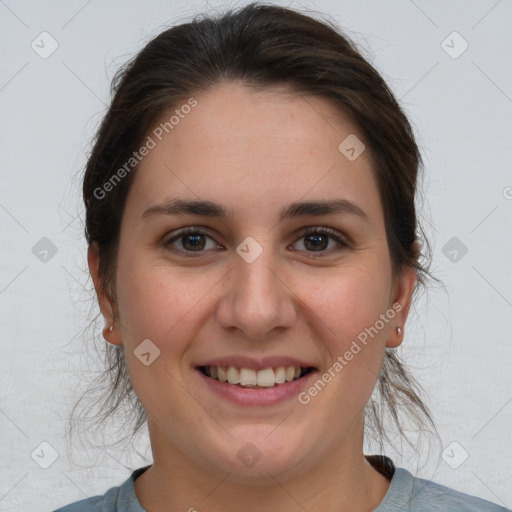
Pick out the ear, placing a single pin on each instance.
(104, 299)
(401, 303)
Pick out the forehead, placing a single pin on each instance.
(253, 150)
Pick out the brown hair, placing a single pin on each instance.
(261, 46)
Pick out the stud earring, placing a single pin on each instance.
(106, 331)
(399, 331)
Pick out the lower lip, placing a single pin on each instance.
(262, 396)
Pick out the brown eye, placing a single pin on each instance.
(317, 240)
(191, 240)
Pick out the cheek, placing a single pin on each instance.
(350, 301)
(349, 308)
(150, 303)
(162, 303)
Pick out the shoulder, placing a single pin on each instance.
(441, 497)
(417, 494)
(121, 498)
(105, 503)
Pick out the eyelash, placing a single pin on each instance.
(342, 241)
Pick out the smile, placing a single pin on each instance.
(250, 378)
(269, 387)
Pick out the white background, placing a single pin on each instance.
(458, 341)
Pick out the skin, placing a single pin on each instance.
(255, 152)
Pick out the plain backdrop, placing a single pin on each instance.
(456, 89)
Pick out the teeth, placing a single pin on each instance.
(266, 378)
(280, 374)
(233, 375)
(221, 374)
(247, 377)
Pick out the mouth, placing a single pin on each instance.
(250, 378)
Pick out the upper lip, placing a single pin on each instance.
(256, 364)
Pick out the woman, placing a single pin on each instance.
(254, 247)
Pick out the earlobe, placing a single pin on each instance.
(104, 299)
(403, 291)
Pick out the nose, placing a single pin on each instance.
(257, 298)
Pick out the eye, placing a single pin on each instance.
(317, 239)
(193, 240)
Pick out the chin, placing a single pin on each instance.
(255, 455)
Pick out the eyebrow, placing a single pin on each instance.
(294, 210)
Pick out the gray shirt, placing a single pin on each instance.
(406, 493)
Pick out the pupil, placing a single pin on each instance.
(196, 240)
(316, 237)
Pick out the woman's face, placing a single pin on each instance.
(251, 289)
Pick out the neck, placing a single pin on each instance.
(345, 481)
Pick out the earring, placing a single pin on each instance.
(106, 331)
(399, 331)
